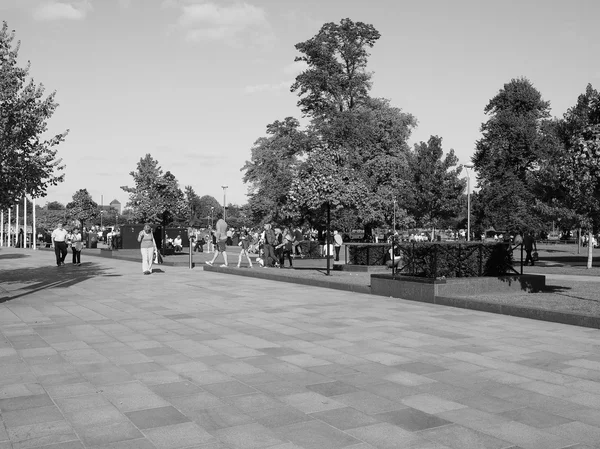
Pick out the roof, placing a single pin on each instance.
(115, 202)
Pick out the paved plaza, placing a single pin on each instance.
(100, 356)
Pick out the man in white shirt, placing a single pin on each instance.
(59, 241)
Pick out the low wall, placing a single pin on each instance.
(427, 290)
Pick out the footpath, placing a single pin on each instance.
(100, 356)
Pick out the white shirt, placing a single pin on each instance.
(59, 235)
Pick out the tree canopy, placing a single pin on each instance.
(336, 78)
(508, 155)
(155, 196)
(28, 161)
(83, 207)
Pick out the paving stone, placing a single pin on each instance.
(156, 417)
(411, 419)
(178, 436)
(31, 416)
(459, 437)
(197, 401)
(42, 434)
(247, 436)
(332, 388)
(311, 402)
(25, 402)
(218, 417)
(345, 418)
(535, 418)
(132, 396)
(385, 436)
(315, 435)
(168, 390)
(103, 435)
(432, 404)
(232, 388)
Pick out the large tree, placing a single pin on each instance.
(508, 155)
(28, 161)
(336, 78)
(271, 169)
(155, 196)
(578, 168)
(436, 189)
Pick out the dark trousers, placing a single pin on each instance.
(198, 247)
(528, 256)
(283, 254)
(61, 251)
(270, 258)
(76, 255)
(337, 253)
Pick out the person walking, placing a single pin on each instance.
(76, 246)
(221, 247)
(338, 242)
(147, 248)
(529, 245)
(269, 240)
(245, 244)
(59, 242)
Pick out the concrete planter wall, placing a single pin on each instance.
(427, 290)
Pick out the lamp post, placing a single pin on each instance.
(394, 223)
(212, 211)
(224, 202)
(467, 167)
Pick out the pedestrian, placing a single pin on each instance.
(221, 238)
(286, 248)
(529, 245)
(76, 246)
(269, 240)
(338, 242)
(298, 239)
(59, 241)
(147, 248)
(245, 244)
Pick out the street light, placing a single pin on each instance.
(224, 202)
(394, 224)
(212, 211)
(467, 167)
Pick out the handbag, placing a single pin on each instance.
(535, 256)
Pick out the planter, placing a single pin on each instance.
(427, 290)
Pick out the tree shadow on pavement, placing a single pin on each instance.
(24, 281)
(12, 256)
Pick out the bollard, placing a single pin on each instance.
(191, 256)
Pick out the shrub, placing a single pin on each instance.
(437, 260)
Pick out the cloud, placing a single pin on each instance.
(62, 10)
(237, 24)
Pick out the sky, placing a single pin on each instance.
(195, 82)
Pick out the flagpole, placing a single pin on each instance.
(33, 231)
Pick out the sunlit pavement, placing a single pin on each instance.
(101, 356)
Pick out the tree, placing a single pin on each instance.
(336, 78)
(208, 206)
(83, 208)
(579, 167)
(509, 153)
(155, 197)
(193, 204)
(271, 169)
(55, 205)
(28, 162)
(436, 189)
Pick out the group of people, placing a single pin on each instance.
(62, 239)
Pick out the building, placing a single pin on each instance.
(116, 205)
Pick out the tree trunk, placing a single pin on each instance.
(590, 248)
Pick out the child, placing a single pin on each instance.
(245, 244)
